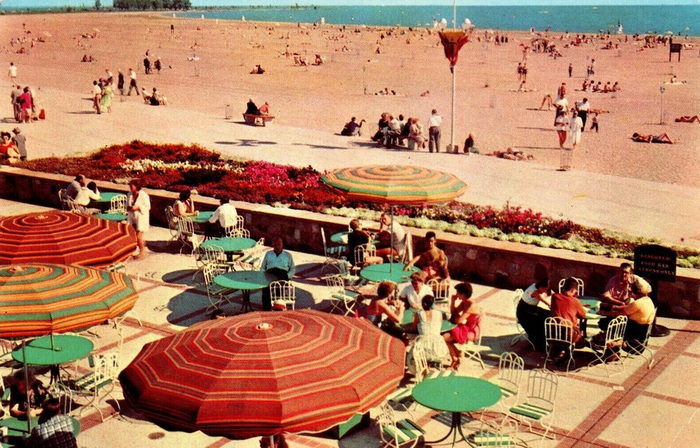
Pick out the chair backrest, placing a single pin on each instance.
(408, 248)
(420, 361)
(510, 370)
(335, 283)
(542, 388)
(364, 252)
(171, 218)
(67, 202)
(615, 333)
(579, 288)
(235, 232)
(209, 271)
(240, 221)
(185, 226)
(117, 204)
(64, 394)
(559, 330)
(106, 365)
(441, 288)
(517, 296)
(283, 291)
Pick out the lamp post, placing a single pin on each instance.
(454, 82)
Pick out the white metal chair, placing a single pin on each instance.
(172, 223)
(510, 372)
(67, 203)
(365, 255)
(579, 287)
(331, 253)
(99, 382)
(343, 268)
(559, 336)
(521, 333)
(235, 232)
(538, 403)
(117, 204)
(216, 294)
(282, 292)
(610, 352)
(251, 259)
(473, 349)
(442, 293)
(186, 235)
(635, 347)
(342, 300)
(397, 433)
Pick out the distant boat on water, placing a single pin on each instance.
(619, 27)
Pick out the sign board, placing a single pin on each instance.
(655, 262)
(674, 48)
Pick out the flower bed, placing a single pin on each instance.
(180, 167)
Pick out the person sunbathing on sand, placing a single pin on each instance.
(688, 119)
(663, 138)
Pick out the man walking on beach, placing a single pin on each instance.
(571, 69)
(96, 96)
(583, 107)
(434, 131)
(132, 82)
(12, 73)
(120, 82)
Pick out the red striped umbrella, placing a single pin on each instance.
(38, 299)
(260, 374)
(64, 238)
(396, 184)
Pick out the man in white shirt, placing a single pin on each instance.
(434, 123)
(414, 293)
(132, 82)
(225, 214)
(12, 72)
(397, 234)
(278, 263)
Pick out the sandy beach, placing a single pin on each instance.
(311, 103)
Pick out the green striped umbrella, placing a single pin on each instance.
(38, 299)
(396, 184)
(263, 373)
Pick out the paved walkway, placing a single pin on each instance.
(640, 407)
(665, 211)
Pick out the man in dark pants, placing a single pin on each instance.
(279, 264)
(434, 131)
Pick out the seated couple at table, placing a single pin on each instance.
(20, 394)
(382, 240)
(639, 311)
(81, 192)
(432, 260)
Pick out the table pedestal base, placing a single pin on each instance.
(455, 428)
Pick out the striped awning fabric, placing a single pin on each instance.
(38, 299)
(263, 373)
(395, 184)
(64, 238)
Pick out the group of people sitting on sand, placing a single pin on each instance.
(258, 70)
(88, 58)
(394, 131)
(511, 154)
(592, 86)
(253, 109)
(155, 98)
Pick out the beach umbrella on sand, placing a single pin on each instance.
(38, 299)
(396, 185)
(64, 238)
(263, 373)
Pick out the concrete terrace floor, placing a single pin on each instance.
(655, 408)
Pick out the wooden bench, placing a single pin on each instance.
(257, 120)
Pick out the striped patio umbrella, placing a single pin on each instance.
(38, 299)
(260, 374)
(396, 184)
(64, 238)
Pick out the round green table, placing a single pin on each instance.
(392, 272)
(244, 280)
(230, 244)
(118, 217)
(201, 217)
(407, 322)
(43, 352)
(340, 237)
(106, 196)
(456, 394)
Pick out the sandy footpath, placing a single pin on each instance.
(311, 104)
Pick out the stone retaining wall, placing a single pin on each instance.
(505, 264)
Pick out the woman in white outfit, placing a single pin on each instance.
(429, 323)
(575, 129)
(139, 208)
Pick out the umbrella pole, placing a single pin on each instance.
(26, 380)
(272, 441)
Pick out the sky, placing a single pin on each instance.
(58, 3)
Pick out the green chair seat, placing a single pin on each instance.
(530, 410)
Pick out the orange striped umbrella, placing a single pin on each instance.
(64, 238)
(260, 374)
(396, 184)
(38, 299)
